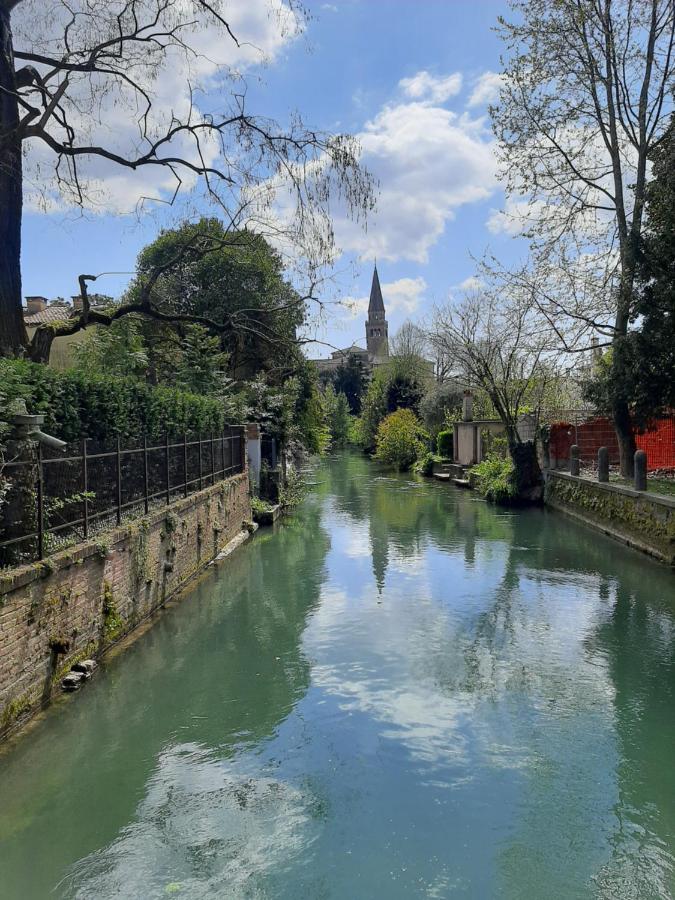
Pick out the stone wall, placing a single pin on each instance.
(634, 517)
(78, 602)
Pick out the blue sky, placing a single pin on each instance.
(411, 79)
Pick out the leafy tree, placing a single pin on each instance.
(239, 285)
(586, 97)
(310, 417)
(648, 370)
(350, 379)
(72, 70)
(440, 401)
(338, 418)
(400, 439)
(120, 350)
(374, 409)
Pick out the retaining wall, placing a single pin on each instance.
(78, 602)
(634, 517)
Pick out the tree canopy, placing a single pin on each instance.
(154, 86)
(586, 96)
(647, 373)
(240, 285)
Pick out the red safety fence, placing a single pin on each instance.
(659, 444)
(658, 441)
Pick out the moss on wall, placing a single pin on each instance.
(649, 523)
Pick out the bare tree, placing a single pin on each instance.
(78, 72)
(499, 344)
(410, 341)
(586, 96)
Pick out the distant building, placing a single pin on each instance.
(41, 311)
(376, 351)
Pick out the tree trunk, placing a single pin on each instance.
(13, 338)
(528, 477)
(620, 408)
(624, 436)
(40, 345)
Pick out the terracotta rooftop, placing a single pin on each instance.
(56, 312)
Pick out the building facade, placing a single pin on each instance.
(376, 350)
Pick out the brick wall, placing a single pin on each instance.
(79, 601)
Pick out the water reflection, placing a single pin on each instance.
(402, 692)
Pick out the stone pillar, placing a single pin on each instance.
(253, 453)
(603, 464)
(467, 407)
(640, 459)
(574, 460)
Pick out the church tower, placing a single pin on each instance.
(377, 330)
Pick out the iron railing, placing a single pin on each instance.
(55, 500)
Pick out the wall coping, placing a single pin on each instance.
(608, 487)
(19, 576)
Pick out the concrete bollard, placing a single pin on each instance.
(574, 460)
(640, 463)
(603, 464)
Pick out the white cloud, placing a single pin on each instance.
(182, 80)
(486, 89)
(472, 283)
(402, 296)
(429, 162)
(436, 89)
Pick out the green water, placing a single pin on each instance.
(401, 693)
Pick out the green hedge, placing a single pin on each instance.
(76, 405)
(444, 443)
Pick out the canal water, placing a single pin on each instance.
(402, 692)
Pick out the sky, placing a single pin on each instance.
(412, 81)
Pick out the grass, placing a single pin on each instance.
(664, 486)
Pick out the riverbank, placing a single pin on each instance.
(644, 520)
(76, 604)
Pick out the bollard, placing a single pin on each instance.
(574, 460)
(640, 463)
(603, 464)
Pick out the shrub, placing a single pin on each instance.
(495, 479)
(75, 404)
(425, 465)
(444, 443)
(400, 439)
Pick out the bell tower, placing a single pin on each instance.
(377, 330)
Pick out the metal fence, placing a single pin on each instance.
(57, 499)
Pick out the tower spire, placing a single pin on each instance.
(377, 330)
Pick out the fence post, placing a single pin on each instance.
(85, 488)
(40, 505)
(213, 460)
(640, 463)
(603, 464)
(574, 459)
(185, 467)
(199, 444)
(119, 482)
(145, 474)
(223, 450)
(168, 472)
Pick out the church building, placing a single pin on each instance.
(377, 336)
